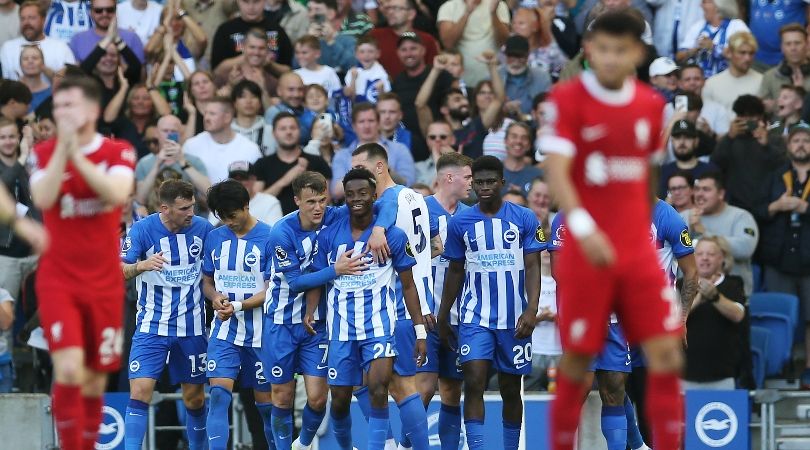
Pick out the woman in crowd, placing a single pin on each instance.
(32, 66)
(494, 141)
(535, 26)
(704, 43)
(249, 119)
(188, 38)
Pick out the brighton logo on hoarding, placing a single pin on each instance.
(111, 429)
(716, 424)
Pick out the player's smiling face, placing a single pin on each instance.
(360, 196)
(311, 205)
(487, 185)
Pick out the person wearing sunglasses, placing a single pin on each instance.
(104, 23)
(440, 140)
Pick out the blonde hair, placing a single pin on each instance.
(725, 248)
(742, 38)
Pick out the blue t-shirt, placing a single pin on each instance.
(766, 18)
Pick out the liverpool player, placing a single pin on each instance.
(80, 181)
(603, 130)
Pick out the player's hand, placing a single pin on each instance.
(308, 321)
(219, 301)
(378, 246)
(226, 312)
(545, 315)
(598, 249)
(350, 264)
(33, 233)
(447, 335)
(526, 323)
(153, 264)
(429, 321)
(420, 352)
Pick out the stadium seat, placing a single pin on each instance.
(778, 302)
(759, 347)
(780, 342)
(759, 282)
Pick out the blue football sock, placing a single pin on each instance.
(195, 428)
(475, 434)
(414, 422)
(343, 430)
(310, 422)
(266, 411)
(282, 427)
(634, 438)
(364, 403)
(377, 428)
(449, 426)
(614, 427)
(511, 435)
(218, 430)
(135, 424)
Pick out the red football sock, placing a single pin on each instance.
(68, 411)
(92, 419)
(565, 412)
(664, 410)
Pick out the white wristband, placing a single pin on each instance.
(237, 306)
(421, 332)
(580, 223)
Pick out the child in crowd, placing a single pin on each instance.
(249, 118)
(307, 53)
(369, 79)
(315, 100)
(454, 63)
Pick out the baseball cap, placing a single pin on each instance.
(684, 128)
(238, 169)
(798, 128)
(409, 36)
(516, 45)
(662, 66)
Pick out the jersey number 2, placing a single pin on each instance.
(417, 230)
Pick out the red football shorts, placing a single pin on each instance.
(636, 290)
(75, 316)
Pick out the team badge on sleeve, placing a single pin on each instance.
(540, 235)
(686, 240)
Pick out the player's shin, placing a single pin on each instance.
(310, 422)
(217, 424)
(68, 410)
(414, 421)
(342, 425)
(92, 419)
(634, 439)
(565, 411)
(135, 424)
(364, 403)
(614, 427)
(282, 427)
(664, 411)
(377, 428)
(266, 411)
(449, 426)
(195, 428)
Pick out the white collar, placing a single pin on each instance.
(620, 97)
(93, 145)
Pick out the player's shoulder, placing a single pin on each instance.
(646, 95)
(567, 89)
(513, 211)
(200, 226)
(471, 213)
(262, 229)
(396, 235)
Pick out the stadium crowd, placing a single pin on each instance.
(263, 91)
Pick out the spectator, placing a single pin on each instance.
(785, 220)
(252, 64)
(562, 26)
(746, 156)
(473, 28)
(141, 17)
(249, 121)
(103, 14)
(390, 110)
(366, 123)
(706, 41)
(230, 35)
(679, 191)
(307, 54)
(715, 115)
(422, 189)
(521, 82)
(219, 145)
(32, 20)
(351, 23)
(454, 65)
(738, 79)
(517, 172)
(664, 77)
(275, 173)
(590, 9)
(515, 196)
(143, 107)
(792, 70)
(712, 216)
(673, 18)
(767, 17)
(9, 20)
(400, 15)
(262, 206)
(291, 93)
(33, 75)
(292, 16)
(6, 342)
(209, 14)
(337, 49)
(367, 80)
(104, 63)
(539, 201)
(14, 100)
(714, 327)
(201, 90)
(536, 25)
(441, 140)
(67, 18)
(707, 139)
(788, 110)
(546, 345)
(317, 102)
(179, 35)
(411, 53)
(169, 154)
(494, 142)
(684, 141)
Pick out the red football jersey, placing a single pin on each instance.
(84, 232)
(612, 137)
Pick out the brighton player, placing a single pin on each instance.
(413, 219)
(293, 350)
(165, 252)
(80, 180)
(499, 242)
(361, 312)
(603, 128)
(235, 256)
(453, 184)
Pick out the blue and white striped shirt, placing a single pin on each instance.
(238, 267)
(66, 19)
(170, 302)
(494, 248)
(439, 218)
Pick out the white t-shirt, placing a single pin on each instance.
(10, 24)
(365, 85)
(325, 76)
(6, 338)
(217, 157)
(143, 23)
(56, 52)
(266, 208)
(546, 335)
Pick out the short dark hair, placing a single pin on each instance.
(448, 93)
(170, 190)
(367, 39)
(519, 124)
(373, 150)
(685, 174)
(363, 107)
(453, 159)
(90, 88)
(749, 105)
(798, 90)
(715, 175)
(389, 96)
(313, 181)
(285, 115)
(14, 90)
(245, 86)
(330, 4)
(487, 162)
(34, 4)
(517, 192)
(226, 197)
(539, 98)
(618, 23)
(224, 101)
(359, 173)
(792, 28)
(310, 41)
(679, 73)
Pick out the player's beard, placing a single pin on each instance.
(684, 156)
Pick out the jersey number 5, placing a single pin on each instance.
(417, 230)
